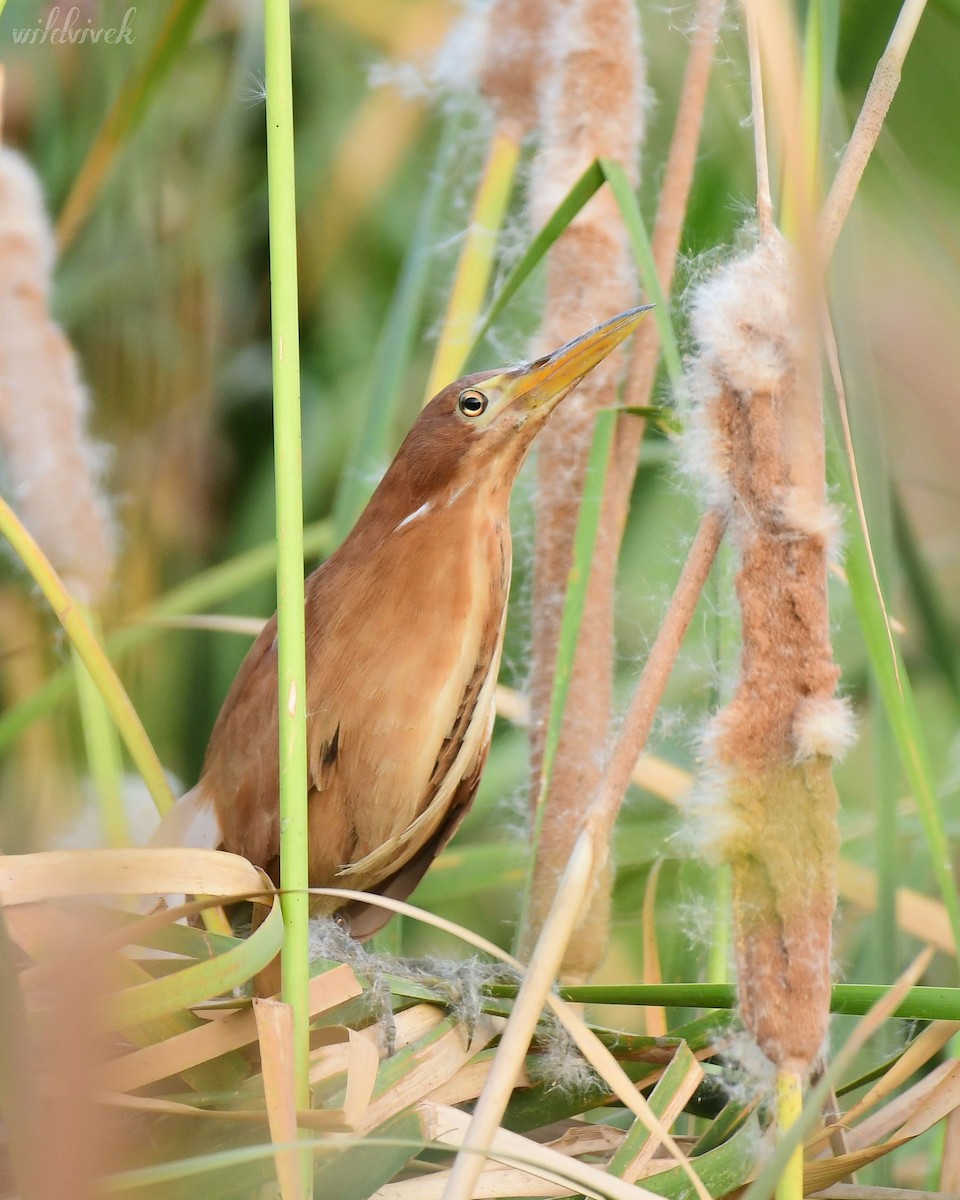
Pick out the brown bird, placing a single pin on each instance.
(404, 628)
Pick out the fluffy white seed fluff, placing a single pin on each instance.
(824, 726)
(704, 454)
(743, 319)
(799, 512)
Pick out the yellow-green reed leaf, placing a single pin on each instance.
(125, 114)
(205, 590)
(202, 981)
(223, 1073)
(623, 193)
(84, 640)
(180, 939)
(588, 183)
(476, 261)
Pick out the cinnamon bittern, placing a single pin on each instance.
(404, 628)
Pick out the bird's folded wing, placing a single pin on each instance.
(464, 748)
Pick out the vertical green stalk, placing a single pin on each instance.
(290, 613)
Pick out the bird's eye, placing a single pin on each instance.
(472, 403)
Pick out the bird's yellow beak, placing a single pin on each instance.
(543, 383)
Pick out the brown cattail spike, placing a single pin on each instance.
(592, 105)
(770, 807)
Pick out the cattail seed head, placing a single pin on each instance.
(53, 468)
(768, 804)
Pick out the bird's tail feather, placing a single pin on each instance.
(191, 822)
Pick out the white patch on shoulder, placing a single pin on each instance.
(420, 512)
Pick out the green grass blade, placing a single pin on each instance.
(588, 183)
(894, 687)
(201, 981)
(674, 1078)
(291, 663)
(851, 999)
(940, 638)
(626, 200)
(585, 537)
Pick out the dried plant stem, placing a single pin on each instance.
(883, 87)
(764, 200)
(656, 672)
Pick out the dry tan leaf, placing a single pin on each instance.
(439, 1061)
(494, 1183)
(825, 1171)
(930, 1042)
(896, 1111)
(926, 919)
(275, 1032)
(338, 1050)
(950, 1167)
(943, 1100)
(587, 1139)
(450, 1126)
(468, 1082)
(217, 1037)
(60, 874)
(414, 1023)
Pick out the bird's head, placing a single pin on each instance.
(482, 426)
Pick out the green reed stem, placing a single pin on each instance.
(289, 493)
